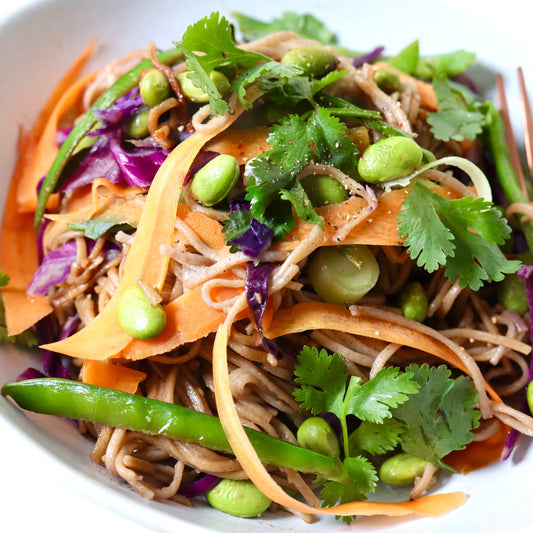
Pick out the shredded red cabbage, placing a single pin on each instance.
(54, 268)
(200, 486)
(256, 288)
(135, 165)
(526, 272)
(56, 265)
(203, 157)
(256, 238)
(368, 58)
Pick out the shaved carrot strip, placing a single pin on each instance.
(208, 229)
(68, 78)
(19, 257)
(112, 376)
(241, 144)
(189, 318)
(103, 337)
(47, 148)
(318, 315)
(433, 505)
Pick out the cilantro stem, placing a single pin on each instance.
(504, 169)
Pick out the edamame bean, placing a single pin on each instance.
(212, 183)
(414, 302)
(238, 498)
(138, 316)
(390, 158)
(343, 274)
(317, 435)
(512, 294)
(323, 190)
(196, 94)
(529, 396)
(401, 469)
(154, 87)
(137, 126)
(387, 80)
(315, 61)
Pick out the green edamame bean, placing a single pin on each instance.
(512, 294)
(390, 158)
(314, 60)
(196, 94)
(154, 87)
(238, 498)
(343, 274)
(387, 80)
(323, 190)
(317, 435)
(138, 316)
(529, 396)
(414, 302)
(137, 126)
(401, 469)
(212, 183)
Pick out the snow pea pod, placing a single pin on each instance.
(124, 84)
(82, 401)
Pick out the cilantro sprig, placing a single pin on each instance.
(462, 235)
(421, 410)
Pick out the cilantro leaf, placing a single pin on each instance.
(95, 228)
(213, 37)
(376, 439)
(363, 479)
(305, 25)
(302, 205)
(441, 417)
(460, 114)
(325, 386)
(461, 234)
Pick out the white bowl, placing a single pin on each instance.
(47, 477)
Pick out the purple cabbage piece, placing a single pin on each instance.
(200, 486)
(30, 373)
(526, 272)
(203, 157)
(54, 268)
(254, 240)
(368, 58)
(108, 158)
(256, 288)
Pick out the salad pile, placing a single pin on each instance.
(274, 273)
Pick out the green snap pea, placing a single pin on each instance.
(387, 80)
(238, 497)
(414, 302)
(82, 401)
(317, 435)
(138, 316)
(213, 182)
(137, 126)
(315, 61)
(323, 190)
(154, 87)
(512, 294)
(390, 158)
(196, 94)
(401, 469)
(343, 274)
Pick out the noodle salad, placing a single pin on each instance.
(272, 273)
